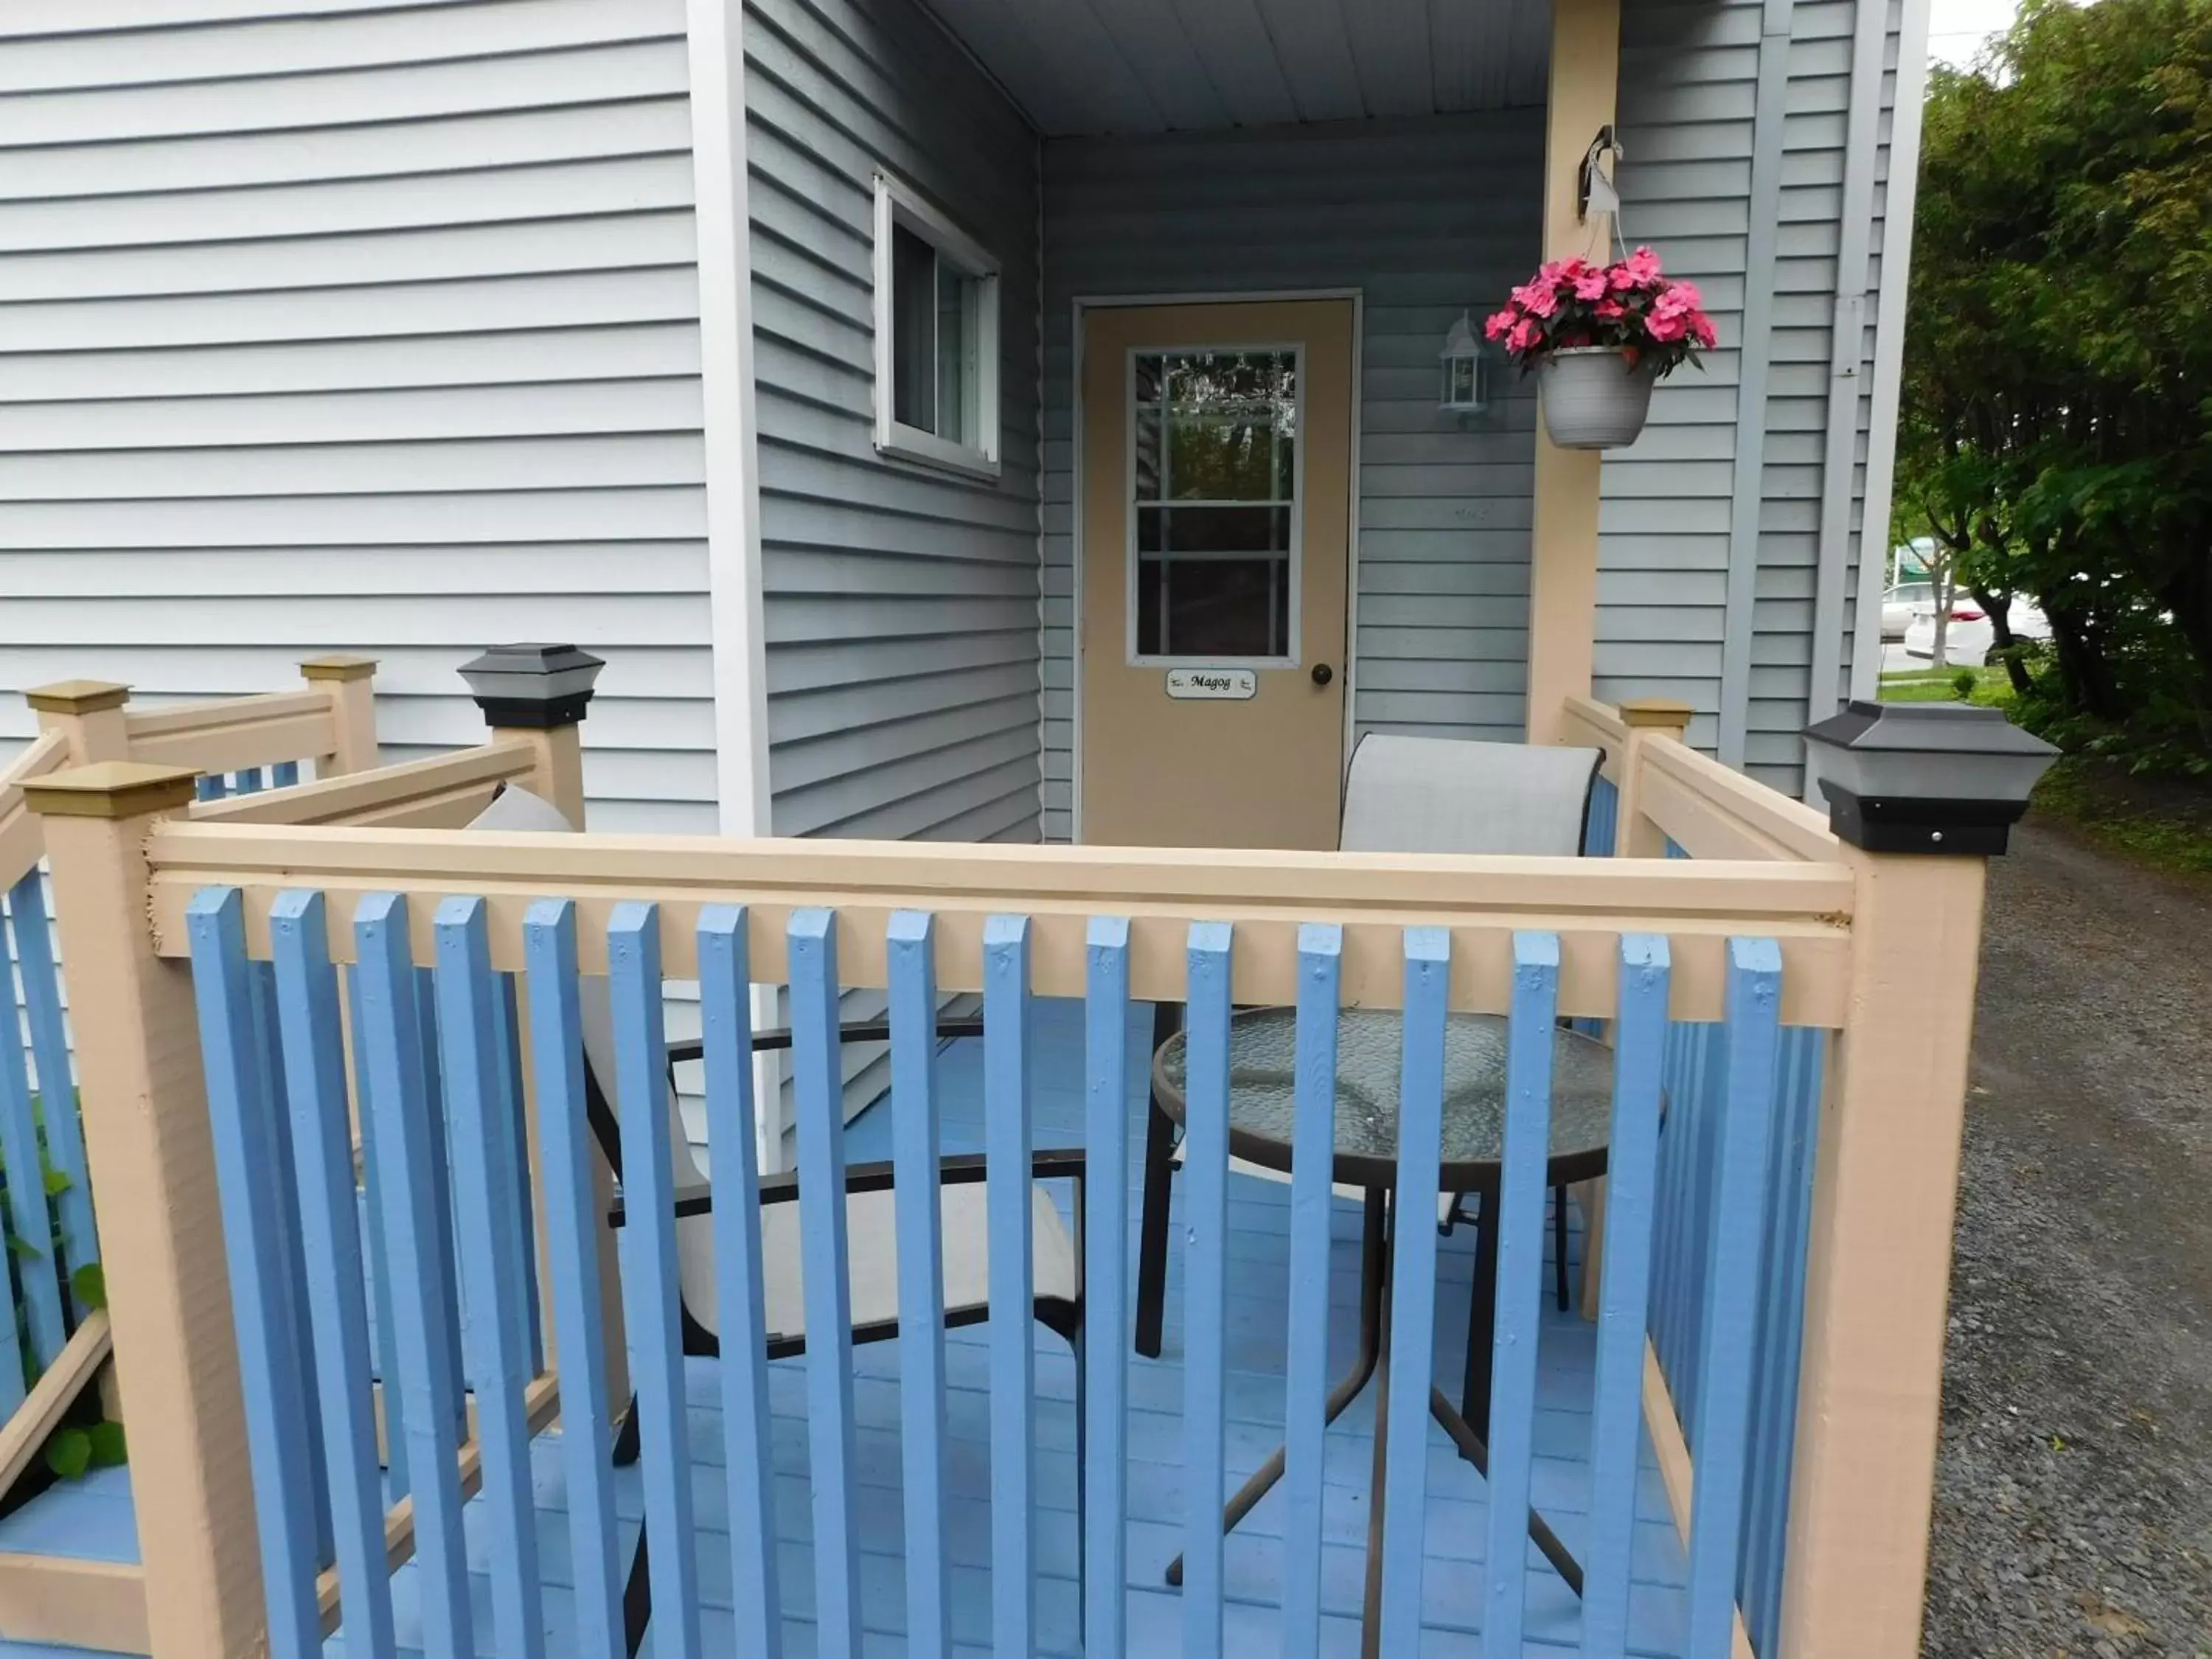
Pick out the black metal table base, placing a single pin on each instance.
(1373, 1364)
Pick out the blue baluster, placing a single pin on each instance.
(1106, 1283)
(572, 1221)
(487, 1173)
(726, 1014)
(911, 965)
(421, 1364)
(1521, 1184)
(241, 1117)
(57, 1103)
(1006, 1142)
(1313, 1156)
(1205, 1300)
(825, 1271)
(652, 1292)
(314, 1044)
(1640, 1035)
(28, 1219)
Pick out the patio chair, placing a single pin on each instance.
(1400, 795)
(870, 1216)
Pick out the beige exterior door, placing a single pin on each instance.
(1216, 513)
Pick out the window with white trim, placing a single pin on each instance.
(936, 338)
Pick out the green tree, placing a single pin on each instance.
(2057, 422)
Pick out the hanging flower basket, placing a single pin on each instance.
(1599, 337)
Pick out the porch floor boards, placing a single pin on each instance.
(92, 1519)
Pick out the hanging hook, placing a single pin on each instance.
(1591, 182)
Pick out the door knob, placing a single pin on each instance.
(1322, 673)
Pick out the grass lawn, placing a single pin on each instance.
(2159, 822)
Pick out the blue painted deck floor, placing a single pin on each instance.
(93, 1518)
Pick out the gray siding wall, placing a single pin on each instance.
(371, 329)
(1689, 115)
(901, 603)
(1428, 219)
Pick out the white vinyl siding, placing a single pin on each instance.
(338, 328)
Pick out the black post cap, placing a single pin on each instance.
(532, 687)
(1925, 777)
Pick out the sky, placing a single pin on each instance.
(1956, 28)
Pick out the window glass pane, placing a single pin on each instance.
(1215, 608)
(914, 331)
(959, 343)
(1214, 529)
(1232, 423)
(1151, 581)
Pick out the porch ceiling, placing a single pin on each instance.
(1094, 67)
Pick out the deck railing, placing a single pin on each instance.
(1728, 980)
(55, 1336)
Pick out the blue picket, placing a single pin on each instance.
(28, 1219)
(511, 1139)
(284, 773)
(210, 785)
(912, 970)
(1103, 1421)
(50, 1051)
(1006, 1072)
(652, 1292)
(380, 1269)
(572, 1220)
(1205, 1297)
(488, 1176)
(1750, 1035)
(825, 1270)
(246, 780)
(725, 1016)
(1639, 1037)
(13, 1361)
(313, 1044)
(1413, 1286)
(248, 1167)
(1521, 1195)
(421, 1355)
(1313, 1156)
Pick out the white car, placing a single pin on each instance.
(1897, 607)
(1970, 637)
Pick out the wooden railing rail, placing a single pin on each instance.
(21, 844)
(443, 793)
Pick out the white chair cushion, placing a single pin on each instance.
(1449, 795)
(871, 1241)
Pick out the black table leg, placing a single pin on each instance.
(1482, 1315)
(1159, 1173)
(1374, 1268)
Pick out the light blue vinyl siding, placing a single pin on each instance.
(901, 602)
(1426, 218)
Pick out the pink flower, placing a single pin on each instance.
(1701, 331)
(1525, 334)
(1621, 278)
(1642, 266)
(1666, 329)
(1589, 284)
(1611, 310)
(1540, 298)
(1499, 322)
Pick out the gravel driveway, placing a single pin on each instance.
(2074, 1494)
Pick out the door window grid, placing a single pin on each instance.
(1214, 530)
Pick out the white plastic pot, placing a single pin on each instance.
(1592, 398)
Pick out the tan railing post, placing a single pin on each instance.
(1648, 719)
(538, 694)
(1878, 1264)
(89, 713)
(350, 683)
(147, 1137)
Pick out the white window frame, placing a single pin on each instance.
(1294, 349)
(898, 205)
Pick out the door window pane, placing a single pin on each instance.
(1214, 502)
(914, 331)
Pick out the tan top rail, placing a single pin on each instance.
(21, 840)
(1589, 903)
(231, 733)
(443, 793)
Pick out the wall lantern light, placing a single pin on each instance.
(1466, 389)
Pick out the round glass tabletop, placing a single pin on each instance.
(1262, 1101)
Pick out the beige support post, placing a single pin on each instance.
(1648, 719)
(1878, 1268)
(160, 1226)
(89, 713)
(1563, 553)
(350, 683)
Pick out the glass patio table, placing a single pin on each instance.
(1263, 1116)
